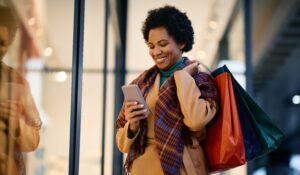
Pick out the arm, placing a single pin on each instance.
(18, 108)
(197, 111)
(24, 121)
(125, 139)
(25, 136)
(21, 132)
(128, 132)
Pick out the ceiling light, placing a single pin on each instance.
(61, 76)
(296, 99)
(48, 51)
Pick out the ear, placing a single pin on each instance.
(181, 46)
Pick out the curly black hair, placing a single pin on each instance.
(9, 20)
(174, 21)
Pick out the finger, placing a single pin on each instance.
(127, 105)
(192, 66)
(135, 114)
(139, 112)
(136, 107)
(195, 64)
(129, 110)
(137, 119)
(130, 103)
(203, 68)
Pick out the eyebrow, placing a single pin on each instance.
(162, 40)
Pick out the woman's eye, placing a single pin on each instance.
(163, 44)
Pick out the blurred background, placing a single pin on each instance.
(263, 54)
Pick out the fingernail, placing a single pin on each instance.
(141, 105)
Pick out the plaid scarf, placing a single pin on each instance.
(169, 127)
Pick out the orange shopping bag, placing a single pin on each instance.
(224, 144)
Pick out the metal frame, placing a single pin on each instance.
(248, 45)
(120, 66)
(76, 94)
(107, 13)
(77, 70)
(248, 58)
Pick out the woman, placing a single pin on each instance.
(19, 118)
(181, 102)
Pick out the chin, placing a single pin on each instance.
(161, 66)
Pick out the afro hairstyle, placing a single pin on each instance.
(174, 21)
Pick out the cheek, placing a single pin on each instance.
(177, 51)
(166, 50)
(151, 53)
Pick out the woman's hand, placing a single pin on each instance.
(195, 67)
(192, 69)
(134, 112)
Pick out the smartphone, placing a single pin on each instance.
(133, 93)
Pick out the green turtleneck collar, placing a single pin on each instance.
(166, 73)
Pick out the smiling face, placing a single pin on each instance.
(163, 48)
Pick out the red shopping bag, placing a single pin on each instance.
(224, 146)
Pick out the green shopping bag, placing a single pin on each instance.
(268, 134)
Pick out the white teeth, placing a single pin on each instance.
(160, 60)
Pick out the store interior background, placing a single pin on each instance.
(219, 39)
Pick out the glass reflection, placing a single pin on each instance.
(19, 118)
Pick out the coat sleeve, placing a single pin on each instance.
(25, 136)
(197, 111)
(123, 138)
(24, 129)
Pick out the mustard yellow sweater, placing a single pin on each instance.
(197, 113)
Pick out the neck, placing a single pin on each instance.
(166, 73)
(172, 68)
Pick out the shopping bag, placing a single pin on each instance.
(253, 147)
(269, 136)
(257, 132)
(223, 146)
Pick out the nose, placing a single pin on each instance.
(156, 51)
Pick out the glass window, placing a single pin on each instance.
(36, 57)
(93, 101)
